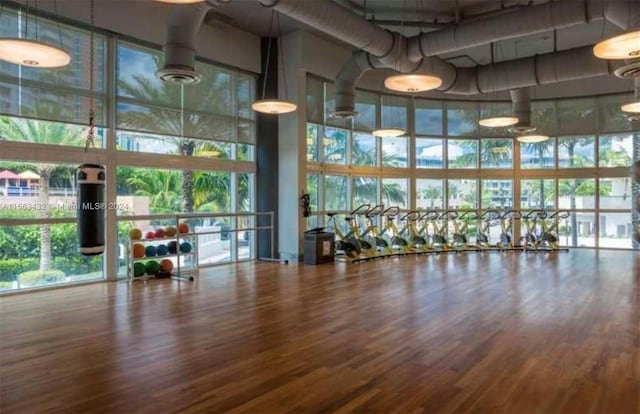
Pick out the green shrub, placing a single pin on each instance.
(38, 278)
(11, 268)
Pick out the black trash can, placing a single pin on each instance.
(319, 247)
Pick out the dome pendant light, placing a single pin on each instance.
(624, 46)
(633, 107)
(388, 131)
(33, 53)
(412, 83)
(273, 106)
(181, 1)
(498, 121)
(532, 139)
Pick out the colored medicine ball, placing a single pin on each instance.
(150, 235)
(135, 234)
(160, 232)
(170, 231)
(173, 247)
(152, 267)
(183, 228)
(161, 250)
(138, 250)
(185, 247)
(166, 265)
(150, 251)
(139, 269)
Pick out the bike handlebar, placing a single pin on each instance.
(362, 210)
(412, 215)
(561, 214)
(375, 210)
(391, 212)
(512, 214)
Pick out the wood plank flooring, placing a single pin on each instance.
(478, 333)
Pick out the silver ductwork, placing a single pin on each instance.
(531, 20)
(521, 107)
(337, 21)
(623, 13)
(566, 65)
(179, 48)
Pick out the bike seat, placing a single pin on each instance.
(330, 215)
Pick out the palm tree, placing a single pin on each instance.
(42, 132)
(432, 193)
(570, 144)
(166, 117)
(162, 187)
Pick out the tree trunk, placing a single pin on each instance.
(187, 148)
(45, 229)
(541, 155)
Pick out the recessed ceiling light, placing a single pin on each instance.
(32, 53)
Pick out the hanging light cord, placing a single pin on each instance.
(281, 60)
(55, 9)
(91, 139)
(266, 64)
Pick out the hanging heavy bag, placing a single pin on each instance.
(91, 209)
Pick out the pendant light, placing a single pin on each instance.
(32, 52)
(181, 1)
(425, 80)
(491, 119)
(533, 138)
(624, 46)
(274, 106)
(387, 131)
(634, 106)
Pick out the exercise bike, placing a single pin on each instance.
(460, 227)
(373, 235)
(549, 238)
(356, 235)
(439, 235)
(417, 241)
(530, 241)
(484, 221)
(398, 243)
(506, 229)
(348, 248)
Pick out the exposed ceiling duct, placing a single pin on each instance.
(521, 107)
(179, 48)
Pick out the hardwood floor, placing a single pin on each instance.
(477, 333)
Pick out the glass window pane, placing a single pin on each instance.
(312, 189)
(152, 191)
(246, 191)
(537, 194)
(428, 117)
(579, 230)
(335, 193)
(315, 100)
(394, 112)
(46, 255)
(616, 230)
(170, 145)
(544, 117)
(576, 116)
(537, 154)
(364, 150)
(429, 153)
(576, 152)
(496, 153)
(612, 119)
(462, 153)
(462, 118)
(46, 132)
(616, 193)
(395, 192)
(577, 193)
(497, 194)
(365, 191)
(463, 194)
(313, 134)
(367, 109)
(615, 150)
(395, 152)
(335, 145)
(429, 194)
(246, 152)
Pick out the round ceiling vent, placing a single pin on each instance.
(180, 76)
(630, 71)
(344, 114)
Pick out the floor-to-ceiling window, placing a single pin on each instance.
(447, 161)
(166, 149)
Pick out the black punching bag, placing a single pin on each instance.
(91, 209)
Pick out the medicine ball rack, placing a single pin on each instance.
(185, 264)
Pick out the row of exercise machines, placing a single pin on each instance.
(373, 232)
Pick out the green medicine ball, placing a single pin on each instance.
(152, 267)
(139, 269)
